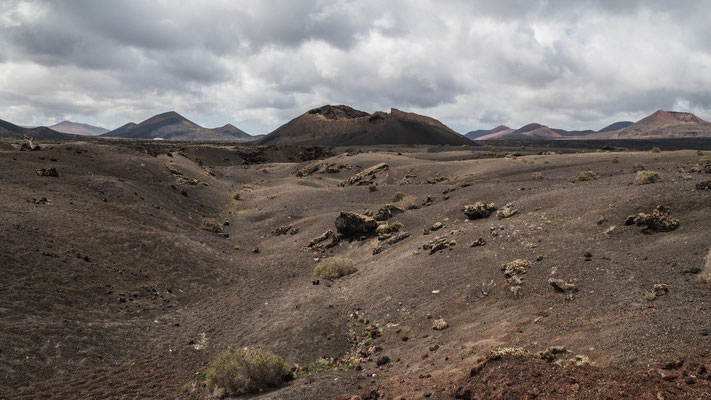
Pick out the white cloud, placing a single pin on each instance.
(258, 64)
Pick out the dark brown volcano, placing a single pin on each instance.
(345, 126)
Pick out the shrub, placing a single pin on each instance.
(334, 268)
(638, 167)
(581, 176)
(398, 196)
(645, 177)
(239, 371)
(656, 150)
(210, 224)
(615, 160)
(536, 176)
(373, 187)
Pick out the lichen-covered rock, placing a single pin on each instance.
(351, 224)
(49, 171)
(479, 210)
(366, 176)
(561, 285)
(659, 220)
(506, 212)
(386, 212)
(437, 244)
(440, 324)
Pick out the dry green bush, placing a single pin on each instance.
(398, 196)
(582, 176)
(536, 176)
(210, 224)
(638, 167)
(645, 177)
(656, 150)
(334, 268)
(239, 371)
(615, 160)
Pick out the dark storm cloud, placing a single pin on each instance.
(471, 64)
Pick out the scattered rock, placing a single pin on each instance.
(365, 177)
(691, 270)
(506, 212)
(47, 171)
(479, 210)
(353, 224)
(660, 289)
(437, 244)
(255, 250)
(562, 286)
(283, 230)
(398, 238)
(478, 242)
(321, 238)
(382, 361)
(436, 226)
(660, 220)
(387, 212)
(580, 360)
(705, 185)
(440, 324)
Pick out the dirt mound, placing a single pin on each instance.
(344, 126)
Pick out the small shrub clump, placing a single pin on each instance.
(398, 196)
(582, 176)
(210, 225)
(638, 167)
(656, 150)
(536, 176)
(239, 371)
(334, 268)
(646, 177)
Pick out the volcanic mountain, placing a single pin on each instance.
(530, 131)
(173, 126)
(339, 125)
(232, 130)
(662, 124)
(473, 135)
(616, 126)
(8, 129)
(76, 128)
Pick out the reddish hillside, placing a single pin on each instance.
(345, 126)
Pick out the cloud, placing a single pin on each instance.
(471, 64)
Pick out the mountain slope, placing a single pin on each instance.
(173, 126)
(76, 128)
(662, 125)
(616, 126)
(483, 132)
(530, 131)
(230, 129)
(345, 126)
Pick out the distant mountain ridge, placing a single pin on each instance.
(77, 128)
(173, 126)
(8, 129)
(340, 125)
(662, 125)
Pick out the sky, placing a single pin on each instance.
(258, 64)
